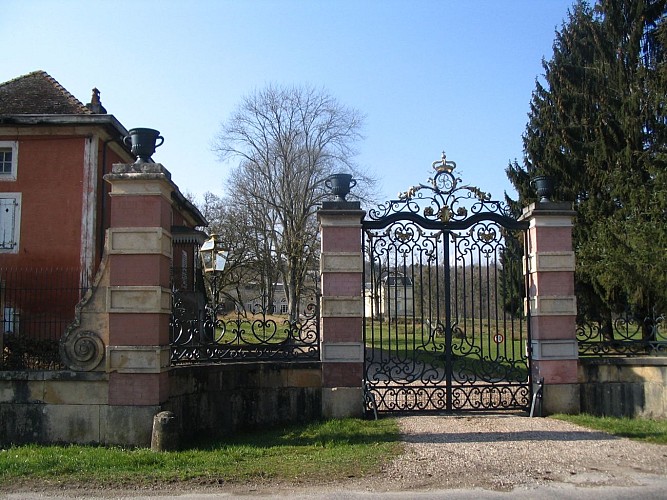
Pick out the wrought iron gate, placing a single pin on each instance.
(444, 328)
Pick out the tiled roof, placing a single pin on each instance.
(37, 93)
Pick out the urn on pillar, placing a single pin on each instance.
(544, 187)
(340, 185)
(143, 142)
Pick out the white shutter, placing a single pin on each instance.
(10, 205)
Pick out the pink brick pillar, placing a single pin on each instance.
(139, 298)
(552, 304)
(341, 268)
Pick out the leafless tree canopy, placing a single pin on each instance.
(287, 142)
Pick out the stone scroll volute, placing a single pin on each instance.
(83, 346)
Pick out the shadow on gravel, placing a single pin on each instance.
(493, 437)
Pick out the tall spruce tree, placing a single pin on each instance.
(597, 124)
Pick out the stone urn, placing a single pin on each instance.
(340, 185)
(544, 187)
(143, 142)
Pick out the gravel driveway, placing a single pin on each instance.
(506, 452)
(472, 457)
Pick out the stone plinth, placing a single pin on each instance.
(551, 304)
(138, 297)
(341, 270)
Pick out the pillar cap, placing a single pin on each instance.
(341, 205)
(548, 209)
(139, 168)
(341, 208)
(124, 174)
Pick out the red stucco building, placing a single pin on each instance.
(55, 206)
(54, 152)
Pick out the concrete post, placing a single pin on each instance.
(139, 298)
(341, 271)
(552, 304)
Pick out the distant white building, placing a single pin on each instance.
(391, 298)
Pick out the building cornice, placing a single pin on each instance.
(98, 120)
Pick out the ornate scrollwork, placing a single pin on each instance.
(248, 333)
(82, 350)
(447, 200)
(437, 331)
(629, 334)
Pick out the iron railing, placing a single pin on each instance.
(254, 332)
(36, 306)
(627, 334)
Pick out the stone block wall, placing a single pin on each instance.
(624, 387)
(66, 407)
(218, 400)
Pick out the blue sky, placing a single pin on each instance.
(428, 75)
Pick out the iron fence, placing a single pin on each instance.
(36, 306)
(243, 334)
(628, 334)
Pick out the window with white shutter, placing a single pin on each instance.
(10, 221)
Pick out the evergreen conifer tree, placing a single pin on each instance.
(597, 124)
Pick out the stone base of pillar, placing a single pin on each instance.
(342, 402)
(560, 398)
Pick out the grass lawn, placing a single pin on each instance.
(475, 352)
(653, 431)
(328, 450)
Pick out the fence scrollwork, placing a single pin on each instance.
(253, 333)
(626, 334)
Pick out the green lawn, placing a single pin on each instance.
(652, 431)
(475, 351)
(323, 451)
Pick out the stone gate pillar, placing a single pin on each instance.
(341, 271)
(138, 297)
(552, 304)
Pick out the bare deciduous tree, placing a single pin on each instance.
(288, 140)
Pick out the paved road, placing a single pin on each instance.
(650, 489)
